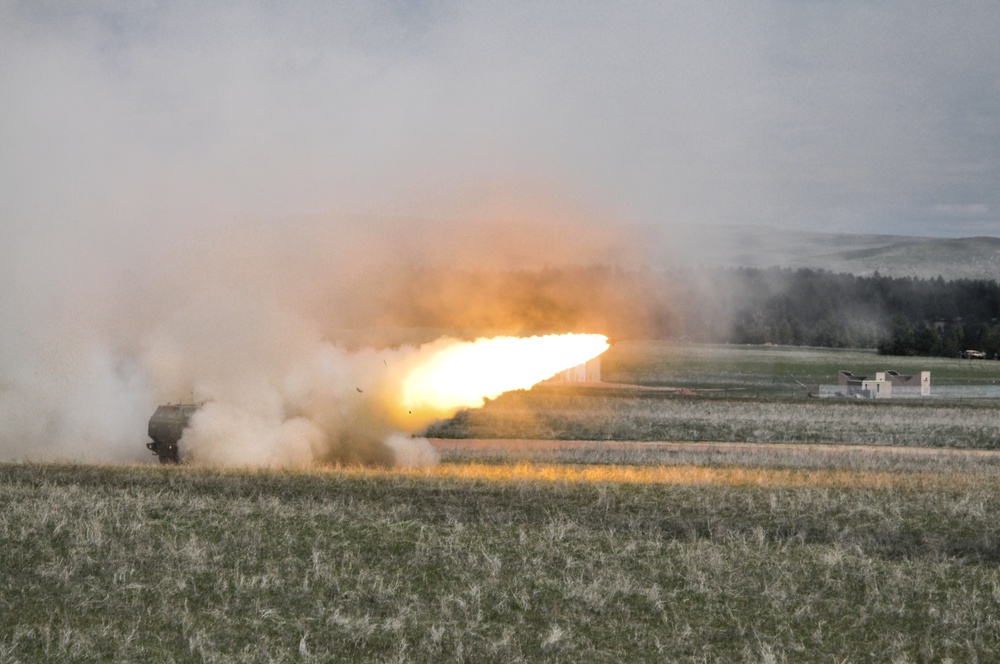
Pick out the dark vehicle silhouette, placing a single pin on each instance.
(166, 427)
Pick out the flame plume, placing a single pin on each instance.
(463, 375)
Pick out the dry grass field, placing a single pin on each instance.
(493, 562)
(579, 415)
(719, 528)
(572, 454)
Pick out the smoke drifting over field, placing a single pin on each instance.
(244, 317)
(159, 239)
(197, 200)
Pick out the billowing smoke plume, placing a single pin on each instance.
(247, 319)
(152, 158)
(79, 384)
(274, 391)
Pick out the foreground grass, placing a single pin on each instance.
(471, 564)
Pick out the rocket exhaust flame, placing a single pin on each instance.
(462, 375)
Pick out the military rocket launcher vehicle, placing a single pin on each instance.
(166, 427)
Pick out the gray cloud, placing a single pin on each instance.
(784, 113)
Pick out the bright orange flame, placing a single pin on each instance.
(464, 374)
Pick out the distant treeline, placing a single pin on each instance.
(899, 316)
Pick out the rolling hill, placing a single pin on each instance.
(890, 255)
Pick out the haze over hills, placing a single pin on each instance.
(526, 244)
(889, 255)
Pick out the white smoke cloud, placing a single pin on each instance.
(139, 139)
(274, 392)
(242, 316)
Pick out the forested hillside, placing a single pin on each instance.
(900, 316)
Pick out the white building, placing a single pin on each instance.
(885, 385)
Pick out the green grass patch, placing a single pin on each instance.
(779, 370)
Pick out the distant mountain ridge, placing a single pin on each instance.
(889, 255)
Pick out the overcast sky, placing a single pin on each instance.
(879, 117)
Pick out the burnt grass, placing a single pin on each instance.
(188, 564)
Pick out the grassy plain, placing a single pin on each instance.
(580, 416)
(786, 371)
(188, 564)
(745, 394)
(701, 553)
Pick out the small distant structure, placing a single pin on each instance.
(588, 372)
(918, 385)
(863, 387)
(884, 385)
